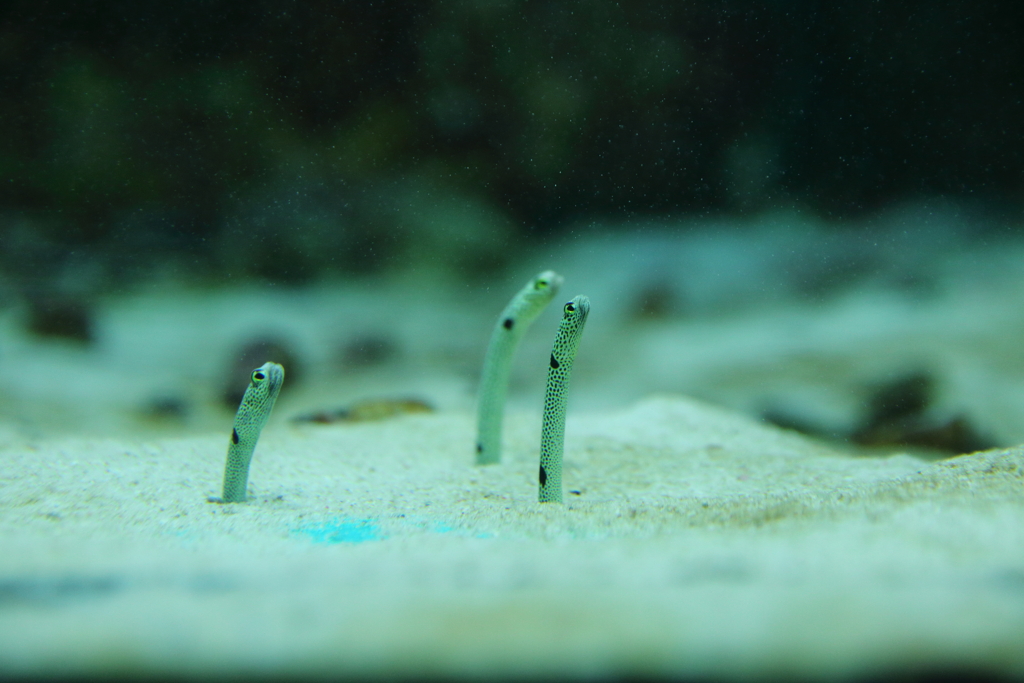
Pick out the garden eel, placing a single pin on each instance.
(258, 401)
(552, 436)
(510, 328)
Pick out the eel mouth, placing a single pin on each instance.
(555, 281)
(582, 305)
(275, 376)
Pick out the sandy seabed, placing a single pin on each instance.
(693, 542)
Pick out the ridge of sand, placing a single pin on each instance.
(699, 543)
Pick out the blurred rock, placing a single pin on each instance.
(368, 350)
(167, 409)
(905, 397)
(61, 317)
(656, 300)
(956, 436)
(369, 410)
(898, 415)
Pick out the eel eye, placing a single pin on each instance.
(569, 308)
(258, 376)
(540, 284)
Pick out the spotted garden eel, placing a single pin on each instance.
(510, 328)
(552, 436)
(253, 412)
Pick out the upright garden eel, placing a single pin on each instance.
(552, 436)
(510, 328)
(252, 415)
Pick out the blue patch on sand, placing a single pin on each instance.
(342, 531)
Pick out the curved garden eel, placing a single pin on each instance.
(253, 412)
(510, 328)
(552, 436)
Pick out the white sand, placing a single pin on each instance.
(701, 543)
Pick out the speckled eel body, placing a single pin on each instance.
(510, 328)
(253, 413)
(552, 438)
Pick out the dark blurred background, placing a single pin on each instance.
(292, 141)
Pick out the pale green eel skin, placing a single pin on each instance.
(510, 328)
(252, 415)
(552, 436)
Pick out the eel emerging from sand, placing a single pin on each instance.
(552, 437)
(510, 328)
(253, 413)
